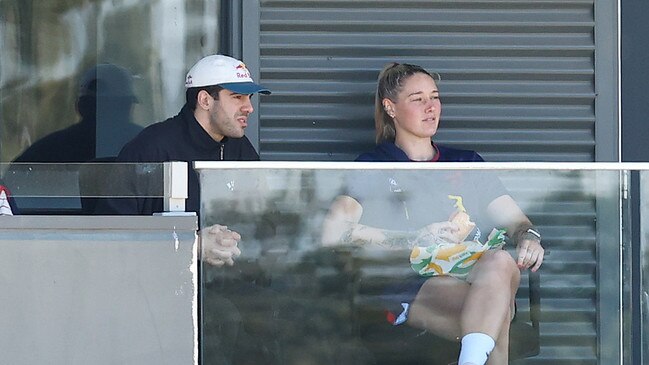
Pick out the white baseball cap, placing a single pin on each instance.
(226, 72)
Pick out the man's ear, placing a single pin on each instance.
(203, 100)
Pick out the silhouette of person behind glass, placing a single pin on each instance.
(105, 102)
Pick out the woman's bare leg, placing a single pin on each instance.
(500, 353)
(494, 281)
(438, 306)
(452, 308)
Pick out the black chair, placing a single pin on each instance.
(407, 345)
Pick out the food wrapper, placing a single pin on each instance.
(453, 259)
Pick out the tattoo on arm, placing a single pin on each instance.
(362, 235)
(400, 239)
(347, 237)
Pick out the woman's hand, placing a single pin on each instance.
(530, 253)
(437, 233)
(506, 213)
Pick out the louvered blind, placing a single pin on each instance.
(518, 84)
(517, 76)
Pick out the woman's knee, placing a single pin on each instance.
(502, 263)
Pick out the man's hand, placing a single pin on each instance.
(437, 233)
(219, 245)
(530, 254)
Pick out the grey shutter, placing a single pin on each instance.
(518, 84)
(518, 77)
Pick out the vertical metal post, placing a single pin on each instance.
(643, 270)
(611, 241)
(607, 83)
(629, 226)
(175, 188)
(250, 39)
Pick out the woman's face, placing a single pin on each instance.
(417, 109)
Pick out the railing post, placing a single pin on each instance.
(175, 188)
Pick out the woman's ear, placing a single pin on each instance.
(388, 106)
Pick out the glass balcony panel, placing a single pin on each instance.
(66, 187)
(296, 295)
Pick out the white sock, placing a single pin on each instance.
(476, 348)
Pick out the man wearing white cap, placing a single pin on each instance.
(209, 127)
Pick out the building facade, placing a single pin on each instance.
(521, 81)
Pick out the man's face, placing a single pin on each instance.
(229, 115)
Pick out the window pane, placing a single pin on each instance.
(49, 49)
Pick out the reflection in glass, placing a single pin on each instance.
(105, 101)
(289, 300)
(57, 188)
(78, 79)
(48, 45)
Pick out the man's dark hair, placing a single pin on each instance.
(191, 94)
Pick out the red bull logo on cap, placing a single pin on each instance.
(243, 73)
